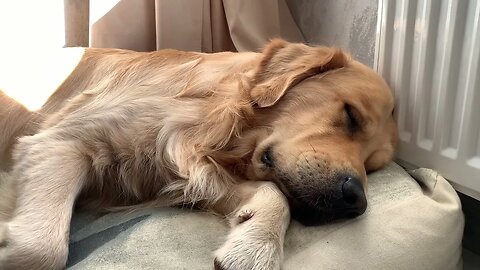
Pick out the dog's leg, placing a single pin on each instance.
(7, 204)
(7, 197)
(259, 221)
(49, 175)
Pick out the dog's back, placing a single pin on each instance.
(71, 69)
(15, 121)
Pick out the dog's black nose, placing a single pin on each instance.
(354, 199)
(346, 199)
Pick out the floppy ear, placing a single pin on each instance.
(285, 64)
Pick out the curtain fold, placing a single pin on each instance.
(192, 25)
(252, 23)
(126, 24)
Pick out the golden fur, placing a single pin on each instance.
(172, 127)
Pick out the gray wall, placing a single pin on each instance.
(349, 24)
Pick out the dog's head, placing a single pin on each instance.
(329, 121)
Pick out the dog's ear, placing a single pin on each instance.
(285, 64)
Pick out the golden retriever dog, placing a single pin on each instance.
(256, 137)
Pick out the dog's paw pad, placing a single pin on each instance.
(244, 215)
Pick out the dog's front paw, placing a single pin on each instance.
(249, 247)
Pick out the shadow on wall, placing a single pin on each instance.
(343, 23)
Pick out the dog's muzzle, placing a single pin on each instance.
(346, 200)
(318, 193)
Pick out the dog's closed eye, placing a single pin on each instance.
(353, 122)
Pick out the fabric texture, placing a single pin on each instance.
(190, 25)
(145, 25)
(412, 222)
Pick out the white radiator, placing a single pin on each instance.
(429, 52)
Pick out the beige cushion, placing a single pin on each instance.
(408, 225)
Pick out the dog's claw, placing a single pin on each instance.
(217, 265)
(3, 235)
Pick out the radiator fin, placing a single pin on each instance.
(429, 53)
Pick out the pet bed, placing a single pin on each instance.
(413, 221)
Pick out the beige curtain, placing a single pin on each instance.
(193, 25)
